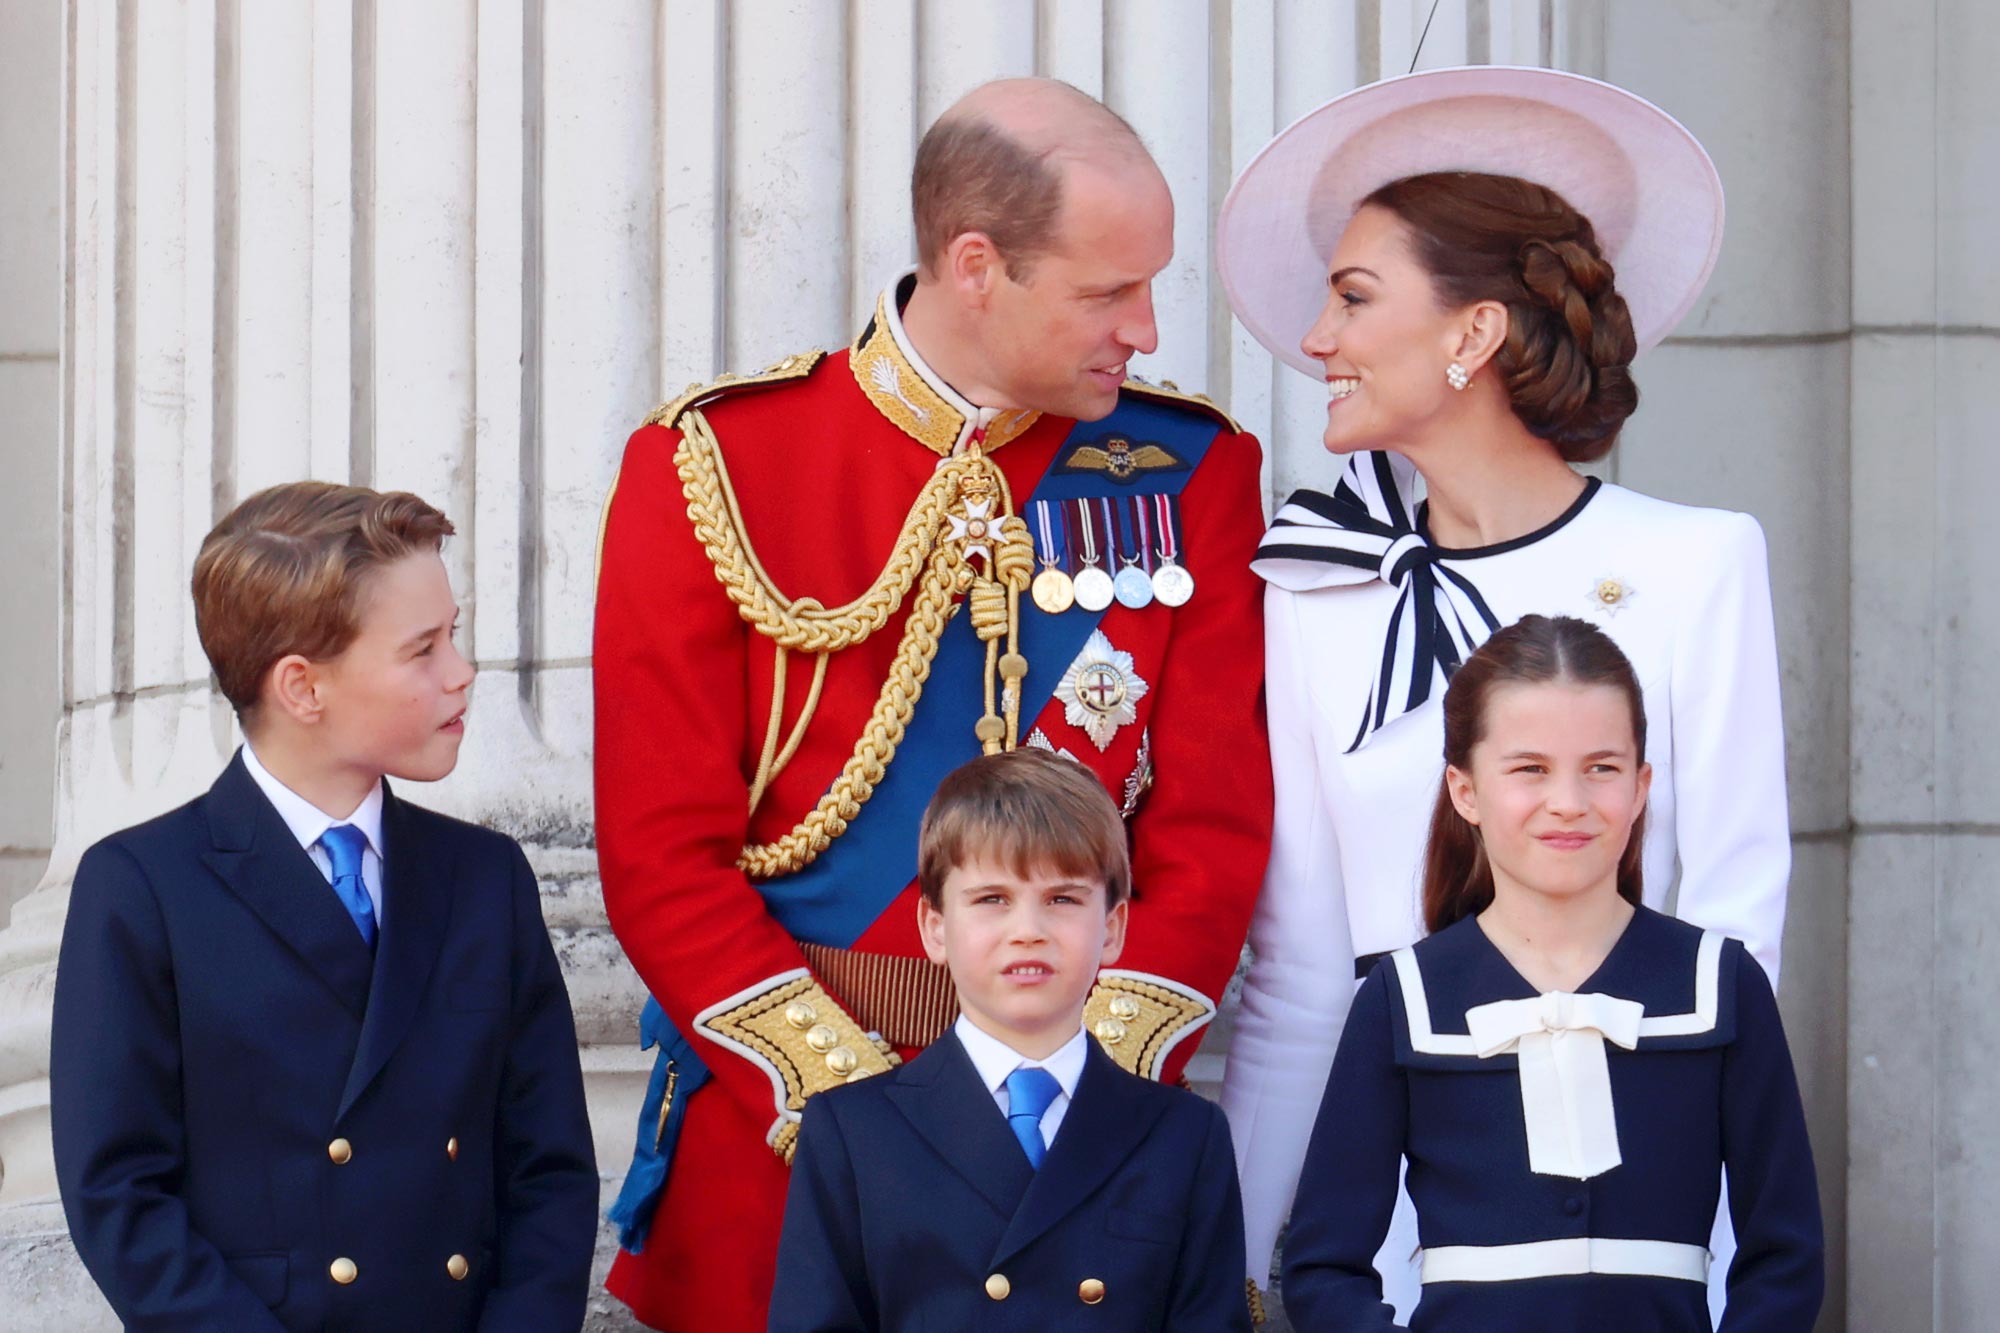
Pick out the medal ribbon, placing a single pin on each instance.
(1144, 513)
(1169, 510)
(1126, 515)
(1112, 554)
(1049, 519)
(1085, 534)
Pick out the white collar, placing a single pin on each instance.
(306, 820)
(995, 1059)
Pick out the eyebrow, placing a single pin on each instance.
(1340, 273)
(1537, 754)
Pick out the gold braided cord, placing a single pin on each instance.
(803, 624)
(940, 570)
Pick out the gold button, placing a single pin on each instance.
(1109, 1031)
(842, 1061)
(1090, 1290)
(451, 1147)
(340, 1150)
(822, 1039)
(998, 1286)
(1124, 1008)
(457, 1267)
(801, 1015)
(343, 1271)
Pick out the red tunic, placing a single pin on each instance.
(825, 481)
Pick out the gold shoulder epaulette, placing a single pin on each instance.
(1166, 391)
(791, 368)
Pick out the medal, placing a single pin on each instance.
(1052, 589)
(1094, 590)
(1100, 692)
(1172, 584)
(1133, 587)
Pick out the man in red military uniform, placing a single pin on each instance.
(825, 586)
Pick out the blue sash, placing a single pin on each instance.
(848, 887)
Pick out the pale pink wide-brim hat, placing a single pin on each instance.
(1646, 184)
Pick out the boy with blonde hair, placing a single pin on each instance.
(1014, 1171)
(313, 1064)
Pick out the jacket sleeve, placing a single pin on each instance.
(1347, 1190)
(1300, 981)
(1778, 1277)
(545, 1170)
(1201, 838)
(822, 1284)
(114, 1099)
(1731, 823)
(672, 799)
(1208, 1292)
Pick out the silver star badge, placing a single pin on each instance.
(1101, 691)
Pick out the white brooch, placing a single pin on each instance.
(1611, 595)
(978, 527)
(1101, 691)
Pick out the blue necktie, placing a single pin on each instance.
(344, 844)
(1030, 1093)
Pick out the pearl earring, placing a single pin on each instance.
(1457, 376)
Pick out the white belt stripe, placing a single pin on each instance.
(1563, 1258)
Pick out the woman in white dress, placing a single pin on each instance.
(1470, 259)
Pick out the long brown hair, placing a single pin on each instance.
(1566, 362)
(1535, 650)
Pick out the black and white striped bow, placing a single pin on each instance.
(1366, 530)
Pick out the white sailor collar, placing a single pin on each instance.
(1372, 528)
(1681, 976)
(904, 388)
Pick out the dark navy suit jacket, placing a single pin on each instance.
(909, 1194)
(242, 1097)
(1711, 1085)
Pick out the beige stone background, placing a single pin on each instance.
(461, 246)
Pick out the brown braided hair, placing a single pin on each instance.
(1566, 362)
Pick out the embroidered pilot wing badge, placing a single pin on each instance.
(1101, 691)
(1120, 459)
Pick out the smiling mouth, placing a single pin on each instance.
(1338, 387)
(1027, 970)
(1566, 842)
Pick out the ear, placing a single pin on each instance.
(1482, 333)
(930, 925)
(292, 689)
(972, 267)
(1115, 922)
(1645, 789)
(1458, 784)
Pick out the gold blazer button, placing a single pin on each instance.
(451, 1148)
(341, 1151)
(998, 1287)
(342, 1271)
(457, 1267)
(1090, 1291)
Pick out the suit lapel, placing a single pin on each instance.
(256, 856)
(416, 907)
(1106, 1121)
(942, 1097)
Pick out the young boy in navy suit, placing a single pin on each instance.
(1013, 1176)
(313, 1062)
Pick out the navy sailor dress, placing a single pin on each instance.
(1563, 1148)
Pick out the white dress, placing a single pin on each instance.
(1685, 593)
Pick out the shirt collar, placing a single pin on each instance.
(306, 820)
(904, 388)
(995, 1059)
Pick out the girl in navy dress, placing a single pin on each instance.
(1564, 1068)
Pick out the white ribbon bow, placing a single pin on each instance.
(1565, 1084)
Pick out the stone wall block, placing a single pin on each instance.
(1966, 610)
(1968, 160)
(1968, 1077)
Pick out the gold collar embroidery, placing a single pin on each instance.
(906, 391)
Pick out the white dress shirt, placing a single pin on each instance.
(307, 822)
(995, 1060)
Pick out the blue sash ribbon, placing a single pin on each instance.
(850, 884)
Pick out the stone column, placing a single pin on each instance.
(1925, 942)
